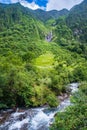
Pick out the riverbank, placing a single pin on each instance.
(75, 117)
(34, 118)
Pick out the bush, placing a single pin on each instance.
(75, 116)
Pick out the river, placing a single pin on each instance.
(35, 118)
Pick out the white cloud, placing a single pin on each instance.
(60, 4)
(29, 5)
(51, 5)
(32, 5)
(14, 1)
(9, 1)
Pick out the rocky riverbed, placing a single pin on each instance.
(34, 118)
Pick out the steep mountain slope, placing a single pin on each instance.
(77, 21)
(47, 15)
(71, 31)
(24, 76)
(38, 14)
(18, 20)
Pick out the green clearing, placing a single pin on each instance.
(45, 60)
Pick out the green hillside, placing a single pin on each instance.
(77, 21)
(70, 31)
(48, 15)
(33, 72)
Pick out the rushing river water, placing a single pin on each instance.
(35, 119)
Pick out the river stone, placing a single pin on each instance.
(43, 128)
(4, 118)
(63, 96)
(22, 116)
(24, 127)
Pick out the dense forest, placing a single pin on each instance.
(33, 72)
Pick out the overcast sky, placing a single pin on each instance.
(45, 4)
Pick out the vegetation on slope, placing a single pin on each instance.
(77, 21)
(75, 116)
(34, 72)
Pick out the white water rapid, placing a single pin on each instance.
(35, 119)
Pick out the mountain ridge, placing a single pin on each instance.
(39, 13)
(77, 21)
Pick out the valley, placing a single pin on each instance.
(39, 57)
